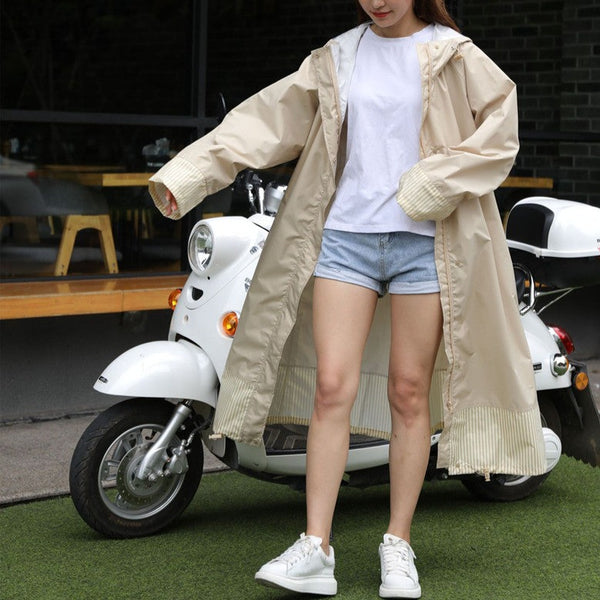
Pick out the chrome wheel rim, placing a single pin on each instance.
(121, 492)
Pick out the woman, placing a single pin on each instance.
(402, 128)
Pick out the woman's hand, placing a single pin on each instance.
(171, 203)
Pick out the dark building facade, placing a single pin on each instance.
(143, 58)
(92, 83)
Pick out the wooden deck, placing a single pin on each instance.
(21, 300)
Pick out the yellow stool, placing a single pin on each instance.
(73, 225)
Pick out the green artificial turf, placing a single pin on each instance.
(546, 547)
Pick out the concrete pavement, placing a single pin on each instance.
(35, 456)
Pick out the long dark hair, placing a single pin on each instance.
(430, 11)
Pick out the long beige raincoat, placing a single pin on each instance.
(483, 389)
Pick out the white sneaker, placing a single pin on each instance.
(303, 567)
(399, 577)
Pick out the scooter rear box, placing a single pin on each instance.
(558, 240)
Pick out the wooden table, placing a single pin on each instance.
(59, 170)
(108, 179)
(546, 183)
(118, 179)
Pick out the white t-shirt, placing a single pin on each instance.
(385, 103)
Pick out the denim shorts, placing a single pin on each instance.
(398, 262)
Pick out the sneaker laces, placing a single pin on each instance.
(300, 549)
(396, 557)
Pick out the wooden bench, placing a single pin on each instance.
(22, 300)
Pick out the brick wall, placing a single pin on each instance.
(580, 99)
(551, 49)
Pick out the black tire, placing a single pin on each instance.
(507, 488)
(101, 486)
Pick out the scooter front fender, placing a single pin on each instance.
(162, 369)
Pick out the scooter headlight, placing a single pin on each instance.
(200, 247)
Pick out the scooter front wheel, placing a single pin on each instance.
(102, 479)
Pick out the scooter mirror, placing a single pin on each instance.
(221, 108)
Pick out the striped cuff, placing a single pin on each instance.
(420, 199)
(187, 184)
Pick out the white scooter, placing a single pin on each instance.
(139, 463)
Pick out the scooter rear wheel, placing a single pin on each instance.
(103, 487)
(508, 488)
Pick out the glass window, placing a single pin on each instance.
(94, 97)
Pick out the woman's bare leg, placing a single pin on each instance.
(416, 334)
(343, 314)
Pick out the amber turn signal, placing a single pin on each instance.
(173, 298)
(229, 323)
(581, 381)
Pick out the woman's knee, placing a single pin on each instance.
(408, 396)
(335, 392)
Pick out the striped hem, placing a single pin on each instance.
(481, 439)
(232, 410)
(294, 397)
(242, 417)
(487, 440)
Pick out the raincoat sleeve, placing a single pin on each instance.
(477, 165)
(265, 130)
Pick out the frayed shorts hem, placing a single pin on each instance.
(396, 287)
